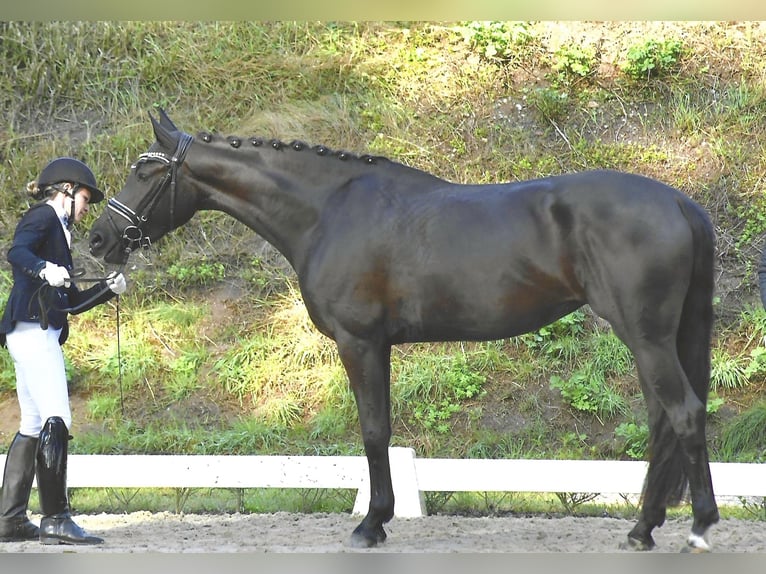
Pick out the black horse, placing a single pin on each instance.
(387, 254)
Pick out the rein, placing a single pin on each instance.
(43, 297)
(133, 234)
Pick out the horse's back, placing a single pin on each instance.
(491, 261)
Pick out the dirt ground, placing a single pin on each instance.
(144, 532)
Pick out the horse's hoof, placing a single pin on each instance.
(361, 540)
(696, 544)
(636, 544)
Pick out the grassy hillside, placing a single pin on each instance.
(217, 354)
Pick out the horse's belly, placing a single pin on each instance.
(475, 322)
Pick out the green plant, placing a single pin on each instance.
(714, 403)
(755, 507)
(574, 61)
(635, 439)
(497, 41)
(199, 273)
(726, 371)
(434, 387)
(103, 406)
(184, 376)
(610, 355)
(282, 411)
(434, 416)
(586, 390)
(7, 373)
(757, 365)
(552, 104)
(752, 215)
(329, 424)
(744, 437)
(652, 58)
(493, 444)
(753, 318)
(546, 337)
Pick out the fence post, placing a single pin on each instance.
(409, 501)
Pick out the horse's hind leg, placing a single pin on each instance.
(704, 506)
(368, 367)
(654, 499)
(678, 449)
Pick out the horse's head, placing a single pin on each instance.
(146, 208)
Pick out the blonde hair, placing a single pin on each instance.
(33, 189)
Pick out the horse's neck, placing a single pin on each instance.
(281, 194)
(280, 202)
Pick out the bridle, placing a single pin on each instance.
(133, 236)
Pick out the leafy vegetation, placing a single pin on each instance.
(653, 57)
(216, 353)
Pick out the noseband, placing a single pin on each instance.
(133, 234)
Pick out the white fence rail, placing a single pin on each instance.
(411, 476)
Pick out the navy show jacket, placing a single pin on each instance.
(39, 237)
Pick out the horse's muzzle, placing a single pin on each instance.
(100, 247)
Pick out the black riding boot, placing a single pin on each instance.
(17, 484)
(56, 526)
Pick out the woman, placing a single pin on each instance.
(33, 328)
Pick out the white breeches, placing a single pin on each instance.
(41, 384)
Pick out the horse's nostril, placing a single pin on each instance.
(95, 241)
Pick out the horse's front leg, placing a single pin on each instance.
(368, 365)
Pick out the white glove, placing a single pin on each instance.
(116, 282)
(55, 275)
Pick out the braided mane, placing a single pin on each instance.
(295, 145)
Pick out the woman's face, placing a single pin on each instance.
(81, 203)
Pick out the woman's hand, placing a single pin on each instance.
(55, 275)
(116, 282)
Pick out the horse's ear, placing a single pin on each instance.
(165, 121)
(163, 134)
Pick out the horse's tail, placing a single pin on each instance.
(695, 330)
(693, 345)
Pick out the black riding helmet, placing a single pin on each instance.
(72, 170)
